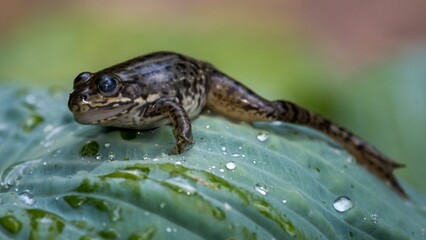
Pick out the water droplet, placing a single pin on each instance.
(31, 122)
(230, 165)
(240, 147)
(26, 197)
(349, 159)
(111, 157)
(116, 214)
(207, 126)
(343, 204)
(107, 145)
(223, 148)
(235, 155)
(260, 188)
(374, 218)
(162, 205)
(89, 149)
(284, 201)
(30, 99)
(168, 229)
(98, 156)
(262, 136)
(44, 163)
(13, 174)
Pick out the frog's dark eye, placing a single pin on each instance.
(107, 84)
(81, 78)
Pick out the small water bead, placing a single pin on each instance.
(235, 155)
(223, 148)
(262, 136)
(170, 229)
(374, 218)
(262, 189)
(162, 205)
(343, 204)
(98, 156)
(31, 100)
(227, 207)
(111, 157)
(222, 170)
(26, 197)
(107, 145)
(349, 159)
(207, 126)
(284, 201)
(230, 165)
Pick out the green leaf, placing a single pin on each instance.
(267, 181)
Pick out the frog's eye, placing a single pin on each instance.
(107, 84)
(81, 78)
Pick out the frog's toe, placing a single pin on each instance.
(182, 144)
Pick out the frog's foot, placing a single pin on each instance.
(182, 143)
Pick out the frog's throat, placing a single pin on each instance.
(95, 115)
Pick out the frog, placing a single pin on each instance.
(167, 87)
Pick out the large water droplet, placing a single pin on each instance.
(230, 165)
(343, 204)
(26, 197)
(262, 136)
(89, 149)
(261, 188)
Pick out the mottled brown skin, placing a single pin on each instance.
(166, 87)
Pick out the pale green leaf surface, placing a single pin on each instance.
(281, 188)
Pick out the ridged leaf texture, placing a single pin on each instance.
(62, 180)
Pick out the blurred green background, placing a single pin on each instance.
(360, 64)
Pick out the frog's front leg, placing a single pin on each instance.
(180, 120)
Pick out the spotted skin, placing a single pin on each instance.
(165, 87)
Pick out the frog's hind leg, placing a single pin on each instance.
(235, 101)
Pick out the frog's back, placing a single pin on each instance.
(170, 65)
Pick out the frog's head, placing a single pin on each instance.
(97, 98)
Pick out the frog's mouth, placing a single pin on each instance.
(96, 115)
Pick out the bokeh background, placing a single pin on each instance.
(361, 63)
